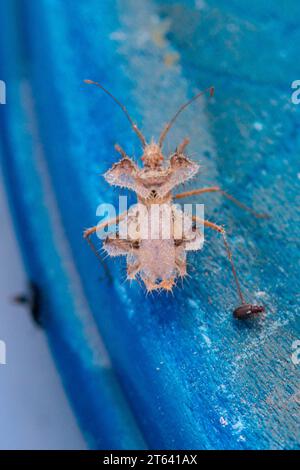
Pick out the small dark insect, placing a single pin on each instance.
(247, 311)
(159, 262)
(32, 300)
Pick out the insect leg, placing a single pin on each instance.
(87, 236)
(245, 310)
(181, 147)
(90, 231)
(212, 189)
(121, 151)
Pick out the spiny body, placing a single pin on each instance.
(156, 259)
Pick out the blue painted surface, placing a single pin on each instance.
(188, 375)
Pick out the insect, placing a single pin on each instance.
(160, 262)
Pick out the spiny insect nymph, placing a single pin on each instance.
(160, 262)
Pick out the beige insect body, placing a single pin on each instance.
(158, 258)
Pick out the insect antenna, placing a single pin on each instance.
(162, 137)
(133, 125)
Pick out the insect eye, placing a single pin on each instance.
(153, 193)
